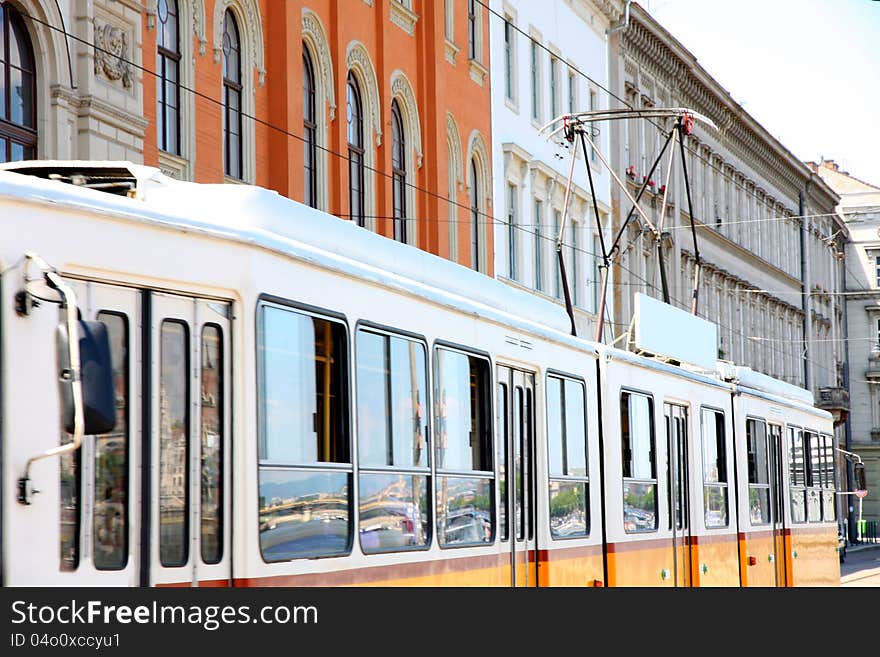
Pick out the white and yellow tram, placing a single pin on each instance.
(302, 402)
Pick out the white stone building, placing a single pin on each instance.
(67, 99)
(548, 58)
(860, 207)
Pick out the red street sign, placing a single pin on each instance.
(861, 493)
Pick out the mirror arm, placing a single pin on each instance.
(25, 491)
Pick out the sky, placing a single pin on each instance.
(806, 70)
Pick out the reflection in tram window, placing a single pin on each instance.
(110, 520)
(502, 411)
(828, 479)
(173, 444)
(639, 462)
(393, 511)
(304, 422)
(714, 468)
(211, 512)
(464, 449)
(814, 476)
(759, 473)
(303, 513)
(567, 447)
(70, 507)
(798, 475)
(392, 382)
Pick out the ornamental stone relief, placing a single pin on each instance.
(111, 53)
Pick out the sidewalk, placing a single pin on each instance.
(856, 547)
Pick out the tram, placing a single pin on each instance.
(264, 395)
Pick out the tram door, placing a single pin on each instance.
(517, 482)
(190, 441)
(677, 475)
(777, 518)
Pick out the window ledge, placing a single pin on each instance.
(403, 17)
(477, 71)
(233, 181)
(451, 51)
(511, 105)
(173, 165)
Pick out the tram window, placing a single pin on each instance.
(798, 475)
(465, 505)
(392, 382)
(814, 476)
(714, 468)
(759, 473)
(502, 411)
(828, 479)
(639, 462)
(567, 447)
(174, 443)
(305, 472)
(212, 382)
(110, 518)
(70, 506)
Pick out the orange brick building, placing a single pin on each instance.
(372, 110)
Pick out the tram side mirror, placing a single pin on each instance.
(96, 368)
(859, 476)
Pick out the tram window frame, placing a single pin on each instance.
(722, 481)
(485, 451)
(813, 464)
(122, 427)
(829, 478)
(389, 469)
(566, 478)
(627, 464)
(795, 436)
(754, 486)
(502, 457)
(341, 469)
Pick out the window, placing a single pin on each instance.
(465, 480)
(594, 105)
(355, 117)
(174, 444)
(813, 453)
(567, 447)
(829, 486)
(877, 261)
(475, 216)
(572, 91)
(557, 219)
(509, 59)
(539, 246)
(473, 30)
(310, 132)
(212, 438)
(554, 86)
(511, 230)
(398, 168)
(759, 472)
(502, 410)
(305, 469)
(232, 163)
(573, 259)
(797, 475)
(18, 92)
(168, 78)
(714, 468)
(535, 72)
(69, 498)
(449, 20)
(639, 462)
(110, 518)
(392, 389)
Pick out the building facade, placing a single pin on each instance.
(860, 207)
(377, 111)
(548, 59)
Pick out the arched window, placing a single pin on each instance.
(232, 162)
(168, 77)
(398, 168)
(310, 130)
(355, 115)
(475, 217)
(18, 99)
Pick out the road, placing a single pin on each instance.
(862, 567)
